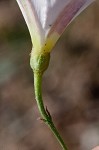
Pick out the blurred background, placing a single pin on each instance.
(70, 85)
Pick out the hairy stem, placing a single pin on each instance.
(46, 117)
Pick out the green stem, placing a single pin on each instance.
(46, 117)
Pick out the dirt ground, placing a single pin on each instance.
(70, 85)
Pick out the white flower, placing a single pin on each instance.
(47, 19)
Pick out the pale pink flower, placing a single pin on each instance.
(96, 148)
(47, 19)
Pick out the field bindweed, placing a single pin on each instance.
(46, 21)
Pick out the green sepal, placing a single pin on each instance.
(39, 62)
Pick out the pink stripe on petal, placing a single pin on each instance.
(67, 15)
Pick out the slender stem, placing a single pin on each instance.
(46, 117)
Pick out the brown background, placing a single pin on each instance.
(70, 85)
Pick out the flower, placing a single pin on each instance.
(96, 148)
(47, 19)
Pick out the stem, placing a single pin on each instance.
(46, 117)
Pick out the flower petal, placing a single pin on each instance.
(70, 11)
(30, 15)
(47, 19)
(67, 15)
